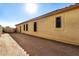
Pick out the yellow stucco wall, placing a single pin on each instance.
(1, 29)
(69, 33)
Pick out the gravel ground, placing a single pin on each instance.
(41, 47)
(9, 47)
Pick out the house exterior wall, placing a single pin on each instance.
(9, 30)
(1, 29)
(46, 28)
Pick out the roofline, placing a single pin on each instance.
(52, 13)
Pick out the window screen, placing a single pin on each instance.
(35, 26)
(58, 22)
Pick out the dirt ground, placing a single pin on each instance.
(9, 47)
(42, 47)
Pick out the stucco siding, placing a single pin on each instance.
(46, 28)
(1, 29)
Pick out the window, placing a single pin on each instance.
(26, 27)
(35, 26)
(20, 28)
(58, 22)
